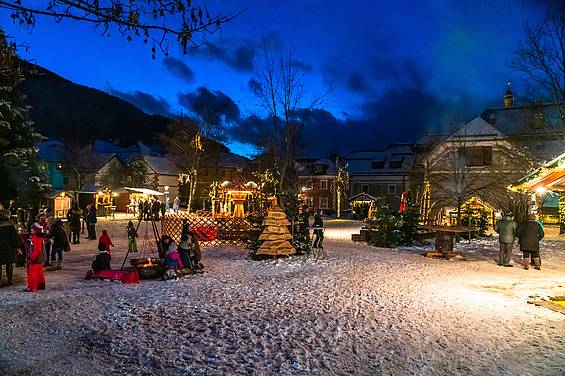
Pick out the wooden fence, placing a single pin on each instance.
(233, 231)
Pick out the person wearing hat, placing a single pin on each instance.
(529, 234)
(506, 229)
(35, 272)
(10, 245)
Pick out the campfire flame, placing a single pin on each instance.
(148, 264)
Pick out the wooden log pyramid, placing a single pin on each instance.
(275, 236)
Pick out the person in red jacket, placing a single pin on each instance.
(36, 258)
(106, 241)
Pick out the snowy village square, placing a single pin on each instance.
(318, 187)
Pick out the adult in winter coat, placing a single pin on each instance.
(91, 221)
(318, 230)
(155, 209)
(176, 205)
(506, 229)
(10, 245)
(73, 216)
(529, 234)
(36, 258)
(60, 243)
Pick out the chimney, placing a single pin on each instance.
(509, 97)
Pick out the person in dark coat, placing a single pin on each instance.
(102, 259)
(10, 245)
(163, 208)
(73, 216)
(91, 221)
(60, 243)
(140, 208)
(155, 209)
(506, 229)
(318, 230)
(529, 234)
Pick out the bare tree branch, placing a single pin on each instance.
(158, 22)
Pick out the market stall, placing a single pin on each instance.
(362, 205)
(59, 201)
(135, 195)
(548, 178)
(233, 199)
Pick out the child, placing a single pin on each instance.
(36, 258)
(102, 259)
(185, 249)
(132, 237)
(106, 241)
(172, 262)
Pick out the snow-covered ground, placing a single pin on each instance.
(364, 310)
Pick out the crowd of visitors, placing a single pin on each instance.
(48, 239)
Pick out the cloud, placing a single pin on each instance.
(214, 107)
(398, 116)
(179, 69)
(239, 57)
(149, 103)
(357, 82)
(305, 67)
(240, 54)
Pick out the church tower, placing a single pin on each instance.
(509, 96)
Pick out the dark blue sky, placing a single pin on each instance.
(390, 70)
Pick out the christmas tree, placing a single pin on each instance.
(275, 236)
(18, 139)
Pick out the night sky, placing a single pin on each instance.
(389, 71)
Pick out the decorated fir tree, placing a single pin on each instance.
(18, 138)
(275, 236)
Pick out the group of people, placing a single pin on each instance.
(181, 258)
(151, 209)
(48, 242)
(529, 233)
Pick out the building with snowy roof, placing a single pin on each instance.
(381, 173)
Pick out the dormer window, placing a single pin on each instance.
(318, 168)
(378, 163)
(396, 161)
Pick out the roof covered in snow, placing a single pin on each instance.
(161, 165)
(395, 158)
(231, 160)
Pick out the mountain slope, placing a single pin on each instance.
(63, 108)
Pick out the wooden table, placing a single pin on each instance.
(444, 239)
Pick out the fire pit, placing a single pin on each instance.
(148, 267)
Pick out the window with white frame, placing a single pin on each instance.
(392, 189)
(323, 185)
(323, 202)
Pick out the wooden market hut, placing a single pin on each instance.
(231, 197)
(549, 177)
(59, 201)
(362, 204)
